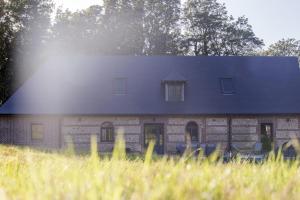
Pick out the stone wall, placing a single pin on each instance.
(244, 133)
(78, 130)
(286, 128)
(245, 130)
(217, 131)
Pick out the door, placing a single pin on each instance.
(155, 133)
(267, 136)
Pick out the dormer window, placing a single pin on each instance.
(174, 91)
(174, 85)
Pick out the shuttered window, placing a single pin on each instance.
(175, 91)
(37, 132)
(107, 132)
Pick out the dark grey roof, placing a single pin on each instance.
(84, 85)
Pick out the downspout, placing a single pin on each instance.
(60, 137)
(229, 134)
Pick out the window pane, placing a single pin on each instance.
(110, 134)
(103, 134)
(227, 86)
(150, 137)
(175, 91)
(37, 132)
(192, 132)
(120, 86)
(107, 134)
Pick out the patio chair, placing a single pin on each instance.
(195, 148)
(256, 155)
(182, 147)
(258, 148)
(210, 149)
(289, 151)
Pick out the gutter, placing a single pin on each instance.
(229, 134)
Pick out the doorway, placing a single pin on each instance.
(154, 132)
(267, 138)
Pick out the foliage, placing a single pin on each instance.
(284, 47)
(134, 27)
(84, 27)
(23, 30)
(29, 174)
(161, 27)
(123, 26)
(210, 31)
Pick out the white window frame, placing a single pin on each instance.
(167, 91)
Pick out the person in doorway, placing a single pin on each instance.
(266, 138)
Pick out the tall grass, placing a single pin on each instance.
(29, 174)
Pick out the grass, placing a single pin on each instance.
(30, 174)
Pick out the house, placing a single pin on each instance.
(172, 100)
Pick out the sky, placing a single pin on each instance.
(271, 20)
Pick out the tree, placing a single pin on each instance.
(131, 27)
(123, 21)
(208, 30)
(79, 31)
(6, 37)
(23, 28)
(161, 27)
(115, 28)
(284, 47)
(238, 39)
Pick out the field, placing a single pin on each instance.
(31, 174)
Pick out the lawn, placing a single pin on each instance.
(31, 174)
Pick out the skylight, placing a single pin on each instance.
(120, 86)
(227, 85)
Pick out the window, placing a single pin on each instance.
(107, 132)
(191, 132)
(120, 86)
(174, 91)
(267, 138)
(227, 86)
(37, 132)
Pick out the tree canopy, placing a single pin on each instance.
(209, 30)
(284, 47)
(24, 26)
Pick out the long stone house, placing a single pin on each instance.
(206, 100)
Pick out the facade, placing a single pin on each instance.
(172, 100)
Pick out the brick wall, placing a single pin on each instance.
(217, 131)
(245, 130)
(286, 129)
(244, 133)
